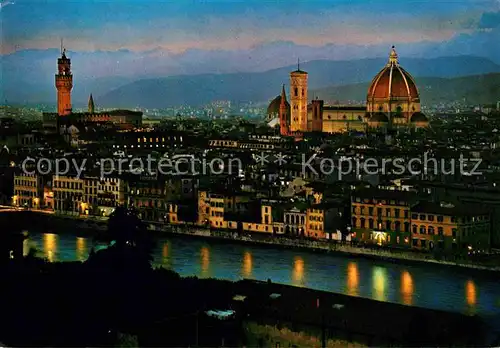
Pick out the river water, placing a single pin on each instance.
(420, 285)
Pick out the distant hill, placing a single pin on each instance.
(476, 89)
(28, 77)
(242, 87)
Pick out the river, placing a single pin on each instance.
(420, 285)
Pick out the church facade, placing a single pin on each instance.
(392, 101)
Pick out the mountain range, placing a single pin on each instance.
(345, 76)
(329, 79)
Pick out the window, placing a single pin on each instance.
(397, 226)
(440, 230)
(440, 218)
(422, 217)
(415, 242)
(407, 227)
(396, 213)
(431, 230)
(414, 229)
(354, 222)
(388, 225)
(362, 210)
(379, 211)
(406, 214)
(430, 217)
(354, 209)
(414, 216)
(423, 243)
(454, 232)
(296, 91)
(363, 223)
(370, 223)
(370, 211)
(422, 229)
(388, 212)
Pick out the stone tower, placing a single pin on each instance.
(64, 84)
(298, 100)
(91, 107)
(284, 113)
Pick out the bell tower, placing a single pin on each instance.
(91, 106)
(298, 100)
(64, 84)
(284, 116)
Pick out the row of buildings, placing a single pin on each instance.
(387, 217)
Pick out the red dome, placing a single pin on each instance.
(393, 82)
(274, 106)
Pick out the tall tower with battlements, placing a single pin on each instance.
(64, 84)
(298, 100)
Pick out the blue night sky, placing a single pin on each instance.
(160, 38)
(89, 25)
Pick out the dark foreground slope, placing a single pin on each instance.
(115, 291)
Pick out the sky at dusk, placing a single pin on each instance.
(149, 38)
(176, 26)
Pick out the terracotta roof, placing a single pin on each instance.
(418, 117)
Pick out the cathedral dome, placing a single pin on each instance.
(393, 82)
(274, 106)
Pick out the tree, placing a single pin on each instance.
(129, 244)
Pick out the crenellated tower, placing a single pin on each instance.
(298, 100)
(64, 84)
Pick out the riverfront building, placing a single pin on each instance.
(450, 227)
(87, 195)
(382, 216)
(399, 219)
(28, 191)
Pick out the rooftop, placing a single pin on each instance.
(449, 209)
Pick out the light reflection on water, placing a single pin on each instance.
(380, 281)
(352, 279)
(205, 261)
(406, 288)
(50, 244)
(419, 285)
(246, 266)
(298, 277)
(81, 249)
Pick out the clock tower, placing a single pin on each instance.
(298, 100)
